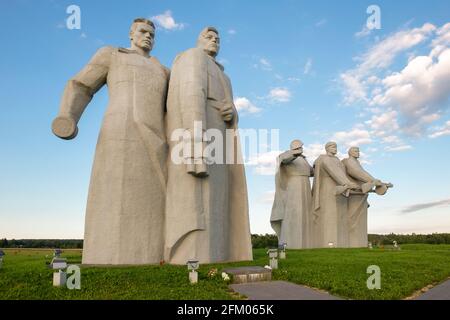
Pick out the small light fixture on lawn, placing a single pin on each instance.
(60, 277)
(370, 245)
(1, 258)
(396, 247)
(273, 255)
(282, 247)
(193, 265)
(330, 244)
(57, 253)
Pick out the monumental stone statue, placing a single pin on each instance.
(292, 204)
(125, 209)
(331, 188)
(207, 207)
(357, 202)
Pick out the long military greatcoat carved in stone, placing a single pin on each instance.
(125, 209)
(206, 218)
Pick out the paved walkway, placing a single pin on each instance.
(440, 292)
(280, 290)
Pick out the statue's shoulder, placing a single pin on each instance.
(103, 56)
(107, 50)
(160, 65)
(190, 54)
(320, 158)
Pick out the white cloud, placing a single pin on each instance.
(355, 88)
(380, 56)
(280, 95)
(321, 22)
(353, 138)
(419, 90)
(442, 41)
(364, 32)
(411, 99)
(167, 22)
(441, 131)
(308, 66)
(313, 151)
(265, 64)
(232, 31)
(265, 164)
(245, 106)
(383, 53)
(398, 148)
(391, 139)
(384, 124)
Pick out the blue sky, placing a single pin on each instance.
(308, 68)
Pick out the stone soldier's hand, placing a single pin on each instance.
(378, 183)
(227, 112)
(296, 153)
(65, 127)
(354, 186)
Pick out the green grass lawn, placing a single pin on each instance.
(341, 272)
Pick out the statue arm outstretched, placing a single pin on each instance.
(357, 172)
(79, 92)
(287, 157)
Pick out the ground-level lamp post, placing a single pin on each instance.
(273, 255)
(57, 253)
(193, 265)
(60, 277)
(282, 247)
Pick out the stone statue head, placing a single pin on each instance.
(297, 145)
(354, 152)
(142, 34)
(209, 41)
(331, 148)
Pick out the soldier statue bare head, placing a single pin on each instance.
(142, 35)
(353, 152)
(297, 146)
(209, 41)
(331, 148)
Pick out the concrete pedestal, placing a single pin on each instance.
(249, 274)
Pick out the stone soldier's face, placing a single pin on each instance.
(332, 149)
(354, 152)
(211, 43)
(143, 36)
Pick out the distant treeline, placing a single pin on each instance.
(42, 243)
(435, 238)
(258, 241)
(271, 240)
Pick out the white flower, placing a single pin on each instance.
(225, 276)
(268, 267)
